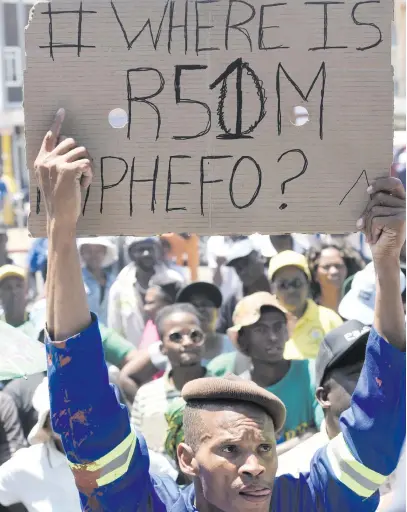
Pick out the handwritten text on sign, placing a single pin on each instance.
(190, 110)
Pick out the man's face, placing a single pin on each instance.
(265, 340)
(291, 287)
(12, 294)
(335, 395)
(342, 384)
(249, 269)
(144, 255)
(93, 255)
(206, 310)
(236, 461)
(183, 339)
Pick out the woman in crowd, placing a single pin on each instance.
(207, 299)
(183, 343)
(330, 265)
(98, 255)
(290, 279)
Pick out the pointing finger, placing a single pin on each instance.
(52, 136)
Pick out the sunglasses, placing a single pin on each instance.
(195, 335)
(296, 283)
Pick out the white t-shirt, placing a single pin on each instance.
(39, 477)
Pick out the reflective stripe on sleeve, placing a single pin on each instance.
(357, 477)
(110, 467)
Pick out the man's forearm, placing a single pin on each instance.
(67, 307)
(389, 313)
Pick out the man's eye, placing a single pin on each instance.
(265, 448)
(230, 448)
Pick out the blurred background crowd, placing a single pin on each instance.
(178, 307)
(290, 312)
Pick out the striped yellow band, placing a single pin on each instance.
(354, 475)
(113, 465)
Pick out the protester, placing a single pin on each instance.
(330, 264)
(358, 303)
(229, 425)
(127, 294)
(290, 278)
(168, 260)
(13, 295)
(39, 477)
(98, 256)
(139, 369)
(184, 246)
(249, 266)
(11, 433)
(162, 291)
(207, 299)
(338, 366)
(260, 332)
(223, 276)
(183, 343)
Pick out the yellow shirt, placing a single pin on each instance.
(310, 330)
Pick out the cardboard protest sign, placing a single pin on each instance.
(193, 110)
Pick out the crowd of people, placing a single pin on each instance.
(276, 384)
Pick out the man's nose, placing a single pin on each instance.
(252, 467)
(333, 270)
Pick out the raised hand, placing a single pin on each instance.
(62, 168)
(384, 220)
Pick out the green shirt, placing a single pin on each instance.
(223, 364)
(115, 346)
(296, 390)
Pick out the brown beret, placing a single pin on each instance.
(232, 388)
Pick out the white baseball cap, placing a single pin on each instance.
(358, 303)
(240, 249)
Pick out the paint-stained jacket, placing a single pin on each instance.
(110, 462)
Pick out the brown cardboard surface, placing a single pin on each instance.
(95, 56)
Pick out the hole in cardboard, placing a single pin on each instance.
(118, 118)
(299, 116)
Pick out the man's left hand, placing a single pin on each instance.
(384, 220)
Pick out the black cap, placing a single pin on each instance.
(342, 346)
(201, 287)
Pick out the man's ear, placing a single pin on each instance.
(186, 460)
(163, 350)
(321, 395)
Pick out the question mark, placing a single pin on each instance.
(283, 206)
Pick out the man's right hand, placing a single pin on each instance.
(61, 169)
